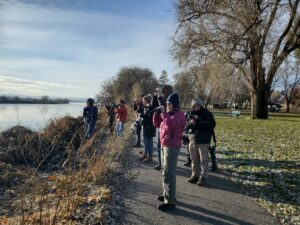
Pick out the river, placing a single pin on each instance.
(35, 116)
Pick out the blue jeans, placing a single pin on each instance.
(148, 142)
(90, 127)
(119, 128)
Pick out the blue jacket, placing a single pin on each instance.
(90, 114)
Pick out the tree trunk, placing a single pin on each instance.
(287, 106)
(259, 102)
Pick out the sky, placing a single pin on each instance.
(67, 48)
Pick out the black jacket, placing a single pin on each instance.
(204, 127)
(148, 128)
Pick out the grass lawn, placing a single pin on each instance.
(264, 157)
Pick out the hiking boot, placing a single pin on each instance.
(193, 179)
(160, 198)
(157, 167)
(202, 181)
(166, 207)
(148, 159)
(143, 157)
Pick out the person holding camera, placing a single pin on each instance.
(185, 139)
(138, 108)
(201, 124)
(171, 122)
(121, 115)
(159, 99)
(110, 109)
(90, 113)
(149, 130)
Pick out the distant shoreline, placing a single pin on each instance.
(35, 103)
(43, 100)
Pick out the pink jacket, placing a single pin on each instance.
(171, 128)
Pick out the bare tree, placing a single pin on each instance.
(255, 36)
(184, 85)
(128, 76)
(163, 79)
(290, 79)
(106, 94)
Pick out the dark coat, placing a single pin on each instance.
(204, 127)
(90, 114)
(148, 128)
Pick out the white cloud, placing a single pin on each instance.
(21, 86)
(75, 47)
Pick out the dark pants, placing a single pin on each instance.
(138, 133)
(111, 124)
(90, 127)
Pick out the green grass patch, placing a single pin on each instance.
(264, 157)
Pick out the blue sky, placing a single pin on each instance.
(67, 48)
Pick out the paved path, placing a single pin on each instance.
(221, 202)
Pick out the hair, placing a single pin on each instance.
(167, 90)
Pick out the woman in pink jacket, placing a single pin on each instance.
(172, 122)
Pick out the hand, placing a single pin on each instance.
(159, 109)
(192, 121)
(162, 109)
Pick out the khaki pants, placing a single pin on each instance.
(199, 156)
(169, 163)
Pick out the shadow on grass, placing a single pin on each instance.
(269, 183)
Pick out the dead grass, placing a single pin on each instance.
(79, 194)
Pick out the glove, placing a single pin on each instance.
(159, 109)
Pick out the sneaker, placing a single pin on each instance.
(157, 167)
(202, 181)
(160, 198)
(193, 179)
(166, 207)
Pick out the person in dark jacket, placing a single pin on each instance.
(149, 130)
(185, 139)
(110, 109)
(90, 113)
(200, 130)
(138, 108)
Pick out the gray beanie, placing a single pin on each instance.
(148, 98)
(197, 101)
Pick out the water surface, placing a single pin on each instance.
(35, 116)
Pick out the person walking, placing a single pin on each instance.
(149, 130)
(121, 115)
(90, 113)
(200, 129)
(172, 123)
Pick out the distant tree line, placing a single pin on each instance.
(43, 100)
(129, 83)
